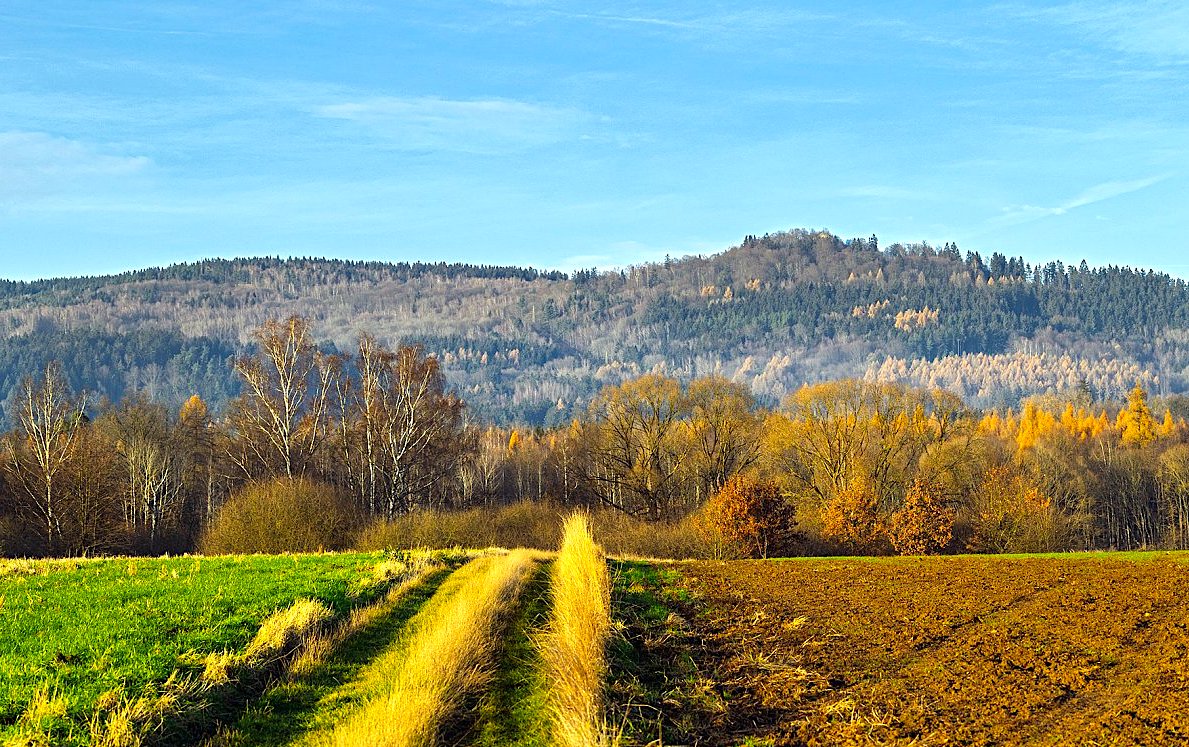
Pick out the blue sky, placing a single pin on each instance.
(567, 134)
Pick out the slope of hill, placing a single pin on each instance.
(523, 345)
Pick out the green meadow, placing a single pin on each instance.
(72, 632)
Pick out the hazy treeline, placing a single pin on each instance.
(376, 435)
(530, 347)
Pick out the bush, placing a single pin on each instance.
(525, 524)
(535, 525)
(1012, 515)
(621, 535)
(19, 540)
(281, 515)
(924, 525)
(852, 519)
(752, 517)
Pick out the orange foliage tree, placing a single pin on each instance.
(924, 525)
(852, 516)
(752, 516)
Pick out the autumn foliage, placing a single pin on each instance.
(752, 517)
(852, 516)
(924, 525)
(1013, 515)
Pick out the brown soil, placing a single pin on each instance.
(940, 651)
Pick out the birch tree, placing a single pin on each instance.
(49, 418)
(281, 415)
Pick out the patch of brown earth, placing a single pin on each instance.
(940, 651)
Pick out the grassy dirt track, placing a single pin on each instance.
(409, 649)
(511, 712)
(301, 704)
(924, 651)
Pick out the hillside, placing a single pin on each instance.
(527, 346)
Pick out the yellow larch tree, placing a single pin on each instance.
(1135, 421)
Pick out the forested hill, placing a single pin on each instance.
(523, 345)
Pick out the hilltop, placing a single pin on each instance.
(523, 345)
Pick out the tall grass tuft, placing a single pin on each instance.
(573, 647)
(448, 657)
(286, 630)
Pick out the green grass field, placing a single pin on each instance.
(77, 630)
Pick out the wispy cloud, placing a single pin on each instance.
(716, 23)
(473, 126)
(634, 20)
(1018, 214)
(888, 192)
(34, 163)
(1151, 28)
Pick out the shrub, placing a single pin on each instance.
(752, 517)
(281, 515)
(1010, 515)
(620, 535)
(525, 524)
(924, 525)
(536, 525)
(852, 517)
(16, 541)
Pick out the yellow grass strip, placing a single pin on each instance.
(449, 655)
(574, 645)
(403, 575)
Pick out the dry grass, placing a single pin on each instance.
(28, 567)
(281, 633)
(574, 646)
(448, 657)
(44, 708)
(536, 525)
(405, 575)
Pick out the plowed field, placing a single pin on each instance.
(938, 651)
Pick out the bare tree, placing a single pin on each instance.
(154, 460)
(636, 457)
(49, 417)
(421, 438)
(281, 416)
(375, 376)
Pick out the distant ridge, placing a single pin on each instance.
(532, 346)
(240, 269)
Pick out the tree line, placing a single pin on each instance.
(377, 426)
(293, 270)
(854, 466)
